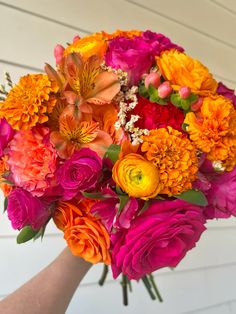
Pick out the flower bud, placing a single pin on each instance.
(164, 90)
(75, 38)
(184, 92)
(196, 105)
(58, 53)
(152, 78)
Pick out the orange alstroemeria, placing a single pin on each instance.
(75, 133)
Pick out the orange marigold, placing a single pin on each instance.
(120, 33)
(85, 234)
(6, 188)
(213, 130)
(29, 102)
(95, 44)
(182, 70)
(174, 156)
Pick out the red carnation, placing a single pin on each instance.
(155, 116)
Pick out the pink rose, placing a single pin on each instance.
(6, 134)
(80, 172)
(24, 209)
(132, 55)
(226, 92)
(160, 237)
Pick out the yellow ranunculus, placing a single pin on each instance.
(137, 176)
(182, 70)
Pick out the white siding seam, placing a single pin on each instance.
(223, 6)
(19, 65)
(182, 24)
(44, 17)
(209, 307)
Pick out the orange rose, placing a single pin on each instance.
(85, 235)
(136, 176)
(182, 70)
(94, 44)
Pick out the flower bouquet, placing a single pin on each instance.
(129, 145)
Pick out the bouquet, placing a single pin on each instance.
(128, 145)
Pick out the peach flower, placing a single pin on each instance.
(85, 234)
(32, 160)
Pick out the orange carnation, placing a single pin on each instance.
(29, 102)
(213, 130)
(94, 44)
(85, 234)
(182, 70)
(136, 176)
(175, 158)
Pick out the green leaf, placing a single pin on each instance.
(142, 90)
(123, 201)
(7, 182)
(113, 152)
(194, 197)
(97, 196)
(5, 204)
(26, 234)
(145, 206)
(192, 98)
(41, 231)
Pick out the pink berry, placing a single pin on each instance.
(77, 37)
(164, 90)
(152, 78)
(184, 92)
(58, 53)
(196, 105)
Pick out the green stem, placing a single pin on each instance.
(148, 287)
(104, 276)
(152, 280)
(124, 289)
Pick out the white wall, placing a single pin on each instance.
(205, 282)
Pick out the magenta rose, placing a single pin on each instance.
(226, 92)
(26, 210)
(6, 135)
(221, 195)
(80, 172)
(133, 55)
(159, 42)
(160, 237)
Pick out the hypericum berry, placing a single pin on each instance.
(197, 104)
(164, 90)
(75, 38)
(184, 92)
(152, 78)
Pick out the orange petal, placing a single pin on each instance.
(100, 144)
(106, 88)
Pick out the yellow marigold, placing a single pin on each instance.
(175, 158)
(29, 102)
(213, 129)
(182, 70)
(136, 176)
(95, 44)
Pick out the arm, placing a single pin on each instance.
(51, 290)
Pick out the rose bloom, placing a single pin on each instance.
(155, 116)
(132, 55)
(85, 234)
(181, 70)
(24, 209)
(226, 92)
(160, 237)
(159, 42)
(32, 160)
(80, 172)
(6, 134)
(137, 176)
